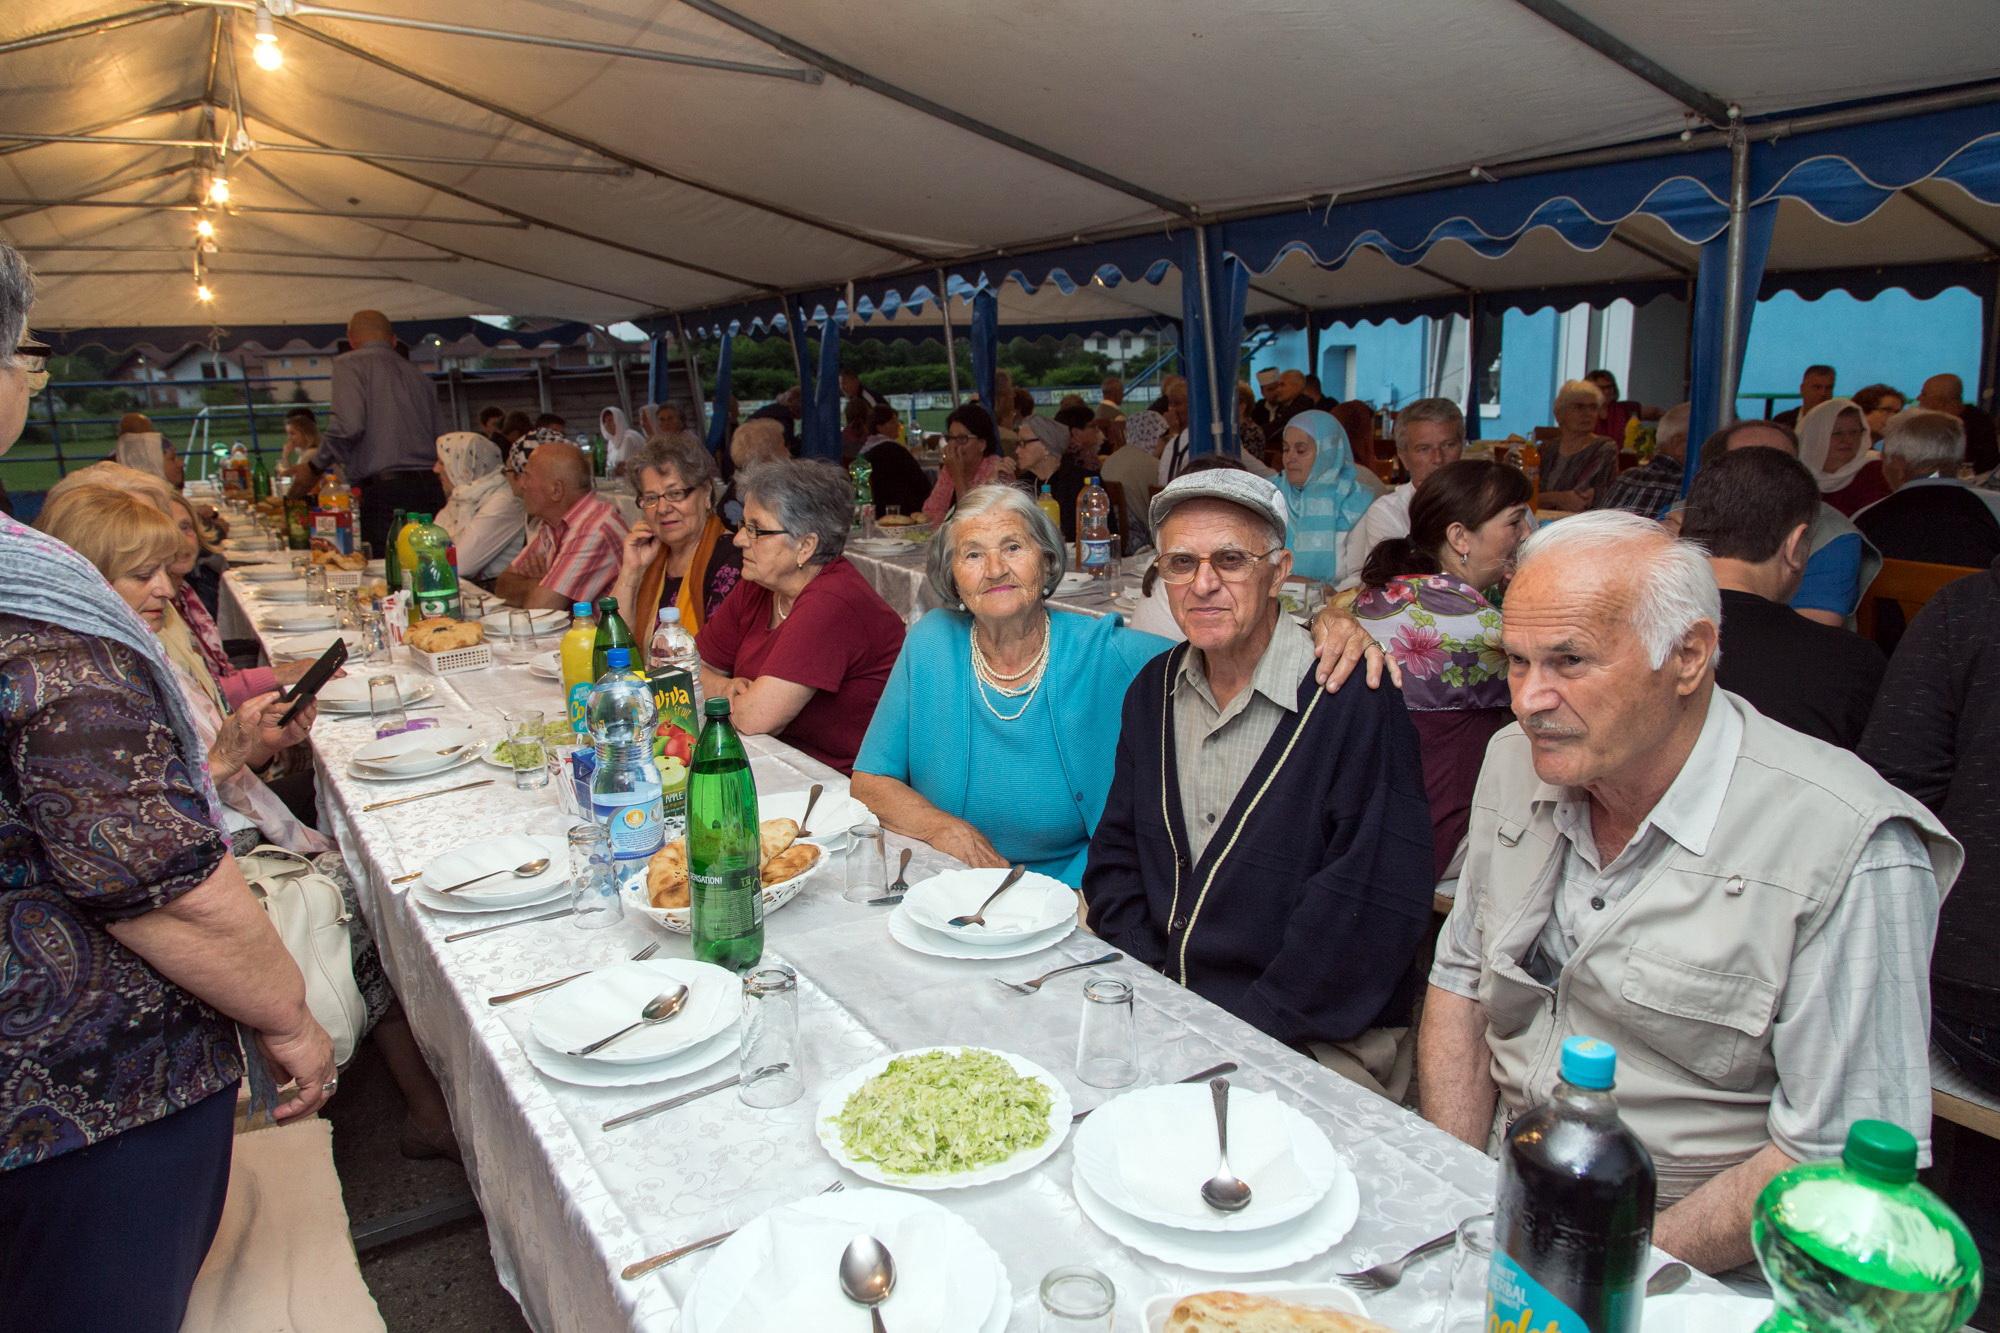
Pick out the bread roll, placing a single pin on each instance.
(1240, 1312)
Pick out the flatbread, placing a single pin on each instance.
(794, 860)
(1241, 1312)
(667, 875)
(773, 836)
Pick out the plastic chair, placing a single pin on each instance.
(1909, 584)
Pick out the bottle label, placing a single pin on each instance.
(1097, 554)
(727, 903)
(579, 702)
(1516, 1303)
(633, 819)
(438, 604)
(673, 740)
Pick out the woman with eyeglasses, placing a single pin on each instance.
(995, 737)
(678, 553)
(802, 647)
(971, 459)
(481, 512)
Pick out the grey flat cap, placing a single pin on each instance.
(1248, 489)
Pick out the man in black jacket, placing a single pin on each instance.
(1286, 874)
(1753, 511)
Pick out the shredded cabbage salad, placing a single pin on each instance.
(943, 1112)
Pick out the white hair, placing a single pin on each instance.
(1927, 441)
(1676, 585)
(1578, 391)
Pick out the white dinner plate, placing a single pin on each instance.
(914, 937)
(266, 573)
(1147, 1153)
(1688, 1312)
(290, 590)
(445, 764)
(300, 620)
(546, 665)
(1230, 1251)
(880, 547)
(309, 645)
(1313, 1295)
(1035, 904)
(836, 1096)
(503, 891)
(763, 1277)
(417, 751)
(599, 1004)
(349, 694)
(836, 813)
(596, 1074)
(541, 623)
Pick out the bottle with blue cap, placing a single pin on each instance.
(625, 793)
(1573, 1222)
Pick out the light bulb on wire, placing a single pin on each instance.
(218, 189)
(204, 229)
(265, 52)
(203, 293)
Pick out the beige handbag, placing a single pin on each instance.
(312, 920)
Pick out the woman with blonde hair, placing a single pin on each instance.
(1581, 464)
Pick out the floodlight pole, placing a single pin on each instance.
(950, 344)
(1733, 295)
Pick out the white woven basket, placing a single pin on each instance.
(452, 660)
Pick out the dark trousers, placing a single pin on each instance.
(111, 1236)
(414, 492)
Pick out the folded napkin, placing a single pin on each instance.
(1166, 1149)
(600, 1004)
(1036, 903)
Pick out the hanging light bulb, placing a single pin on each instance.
(202, 292)
(266, 52)
(204, 229)
(218, 189)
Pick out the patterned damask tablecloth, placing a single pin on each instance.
(567, 1204)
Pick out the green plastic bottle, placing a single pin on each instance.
(436, 582)
(727, 893)
(612, 632)
(260, 479)
(392, 558)
(1858, 1246)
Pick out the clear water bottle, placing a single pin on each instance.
(1093, 532)
(625, 789)
(1573, 1221)
(672, 649)
(1859, 1246)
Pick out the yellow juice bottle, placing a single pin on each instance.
(579, 644)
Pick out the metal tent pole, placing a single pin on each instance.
(950, 345)
(1733, 295)
(694, 377)
(1208, 337)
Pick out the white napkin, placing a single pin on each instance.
(599, 1005)
(1036, 903)
(796, 1257)
(1166, 1150)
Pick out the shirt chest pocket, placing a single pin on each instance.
(1715, 1025)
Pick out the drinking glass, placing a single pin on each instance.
(1076, 1299)
(593, 878)
(562, 767)
(520, 631)
(1471, 1257)
(373, 631)
(770, 1055)
(316, 585)
(1107, 1043)
(867, 864)
(301, 562)
(526, 745)
(385, 705)
(343, 608)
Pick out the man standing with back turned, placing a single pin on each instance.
(384, 430)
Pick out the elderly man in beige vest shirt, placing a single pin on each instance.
(1745, 912)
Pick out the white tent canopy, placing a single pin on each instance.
(843, 141)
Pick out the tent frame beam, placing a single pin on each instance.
(126, 141)
(611, 154)
(524, 38)
(938, 111)
(35, 205)
(89, 199)
(1629, 58)
(235, 250)
(92, 27)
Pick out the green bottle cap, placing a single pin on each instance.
(1881, 1151)
(715, 708)
(607, 604)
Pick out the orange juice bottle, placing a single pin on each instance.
(577, 652)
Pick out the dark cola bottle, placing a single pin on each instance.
(1573, 1223)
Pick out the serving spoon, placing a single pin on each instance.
(658, 1010)
(867, 1276)
(1223, 1191)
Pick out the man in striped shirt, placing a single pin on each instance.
(574, 554)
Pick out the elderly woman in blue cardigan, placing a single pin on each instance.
(993, 740)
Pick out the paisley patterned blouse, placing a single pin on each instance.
(100, 822)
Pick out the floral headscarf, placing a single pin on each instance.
(1146, 430)
(517, 456)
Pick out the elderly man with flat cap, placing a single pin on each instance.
(1265, 843)
(383, 434)
(1745, 912)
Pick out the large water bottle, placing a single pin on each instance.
(1858, 1245)
(1093, 532)
(625, 790)
(1573, 1222)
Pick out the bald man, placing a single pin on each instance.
(383, 434)
(574, 554)
(1946, 393)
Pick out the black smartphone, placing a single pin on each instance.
(317, 675)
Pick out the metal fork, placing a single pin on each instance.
(525, 992)
(645, 1266)
(1030, 987)
(1386, 1275)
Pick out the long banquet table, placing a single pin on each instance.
(567, 1205)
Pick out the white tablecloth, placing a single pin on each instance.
(567, 1205)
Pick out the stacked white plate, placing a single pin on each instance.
(280, 572)
(300, 620)
(880, 547)
(546, 665)
(1034, 914)
(349, 694)
(1141, 1160)
(286, 590)
(541, 624)
(835, 813)
(503, 892)
(416, 754)
(570, 1017)
(782, 1269)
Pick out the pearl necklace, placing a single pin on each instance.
(984, 676)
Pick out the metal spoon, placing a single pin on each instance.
(1223, 1191)
(812, 799)
(658, 1010)
(526, 870)
(979, 918)
(867, 1276)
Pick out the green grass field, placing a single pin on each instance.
(31, 465)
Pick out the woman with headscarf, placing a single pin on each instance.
(481, 512)
(619, 439)
(1833, 444)
(1324, 495)
(649, 421)
(140, 446)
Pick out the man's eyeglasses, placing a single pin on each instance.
(758, 534)
(1230, 564)
(654, 499)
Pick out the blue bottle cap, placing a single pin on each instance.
(579, 608)
(1588, 1062)
(620, 659)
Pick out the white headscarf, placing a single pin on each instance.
(145, 450)
(472, 464)
(1816, 442)
(619, 440)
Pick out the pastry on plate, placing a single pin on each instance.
(667, 875)
(1241, 1312)
(794, 860)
